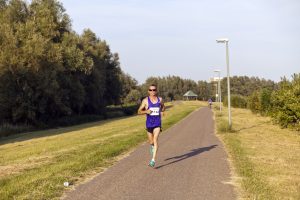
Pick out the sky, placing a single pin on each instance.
(178, 37)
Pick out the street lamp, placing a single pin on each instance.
(217, 92)
(225, 40)
(219, 88)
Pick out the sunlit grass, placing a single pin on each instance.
(35, 165)
(265, 157)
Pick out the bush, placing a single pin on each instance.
(265, 101)
(253, 102)
(283, 104)
(260, 101)
(286, 103)
(237, 101)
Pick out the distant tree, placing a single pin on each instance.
(204, 90)
(133, 97)
(170, 87)
(245, 86)
(237, 101)
(127, 85)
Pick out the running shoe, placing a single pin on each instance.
(152, 163)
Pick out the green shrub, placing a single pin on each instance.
(237, 101)
(253, 102)
(265, 101)
(283, 104)
(286, 103)
(260, 101)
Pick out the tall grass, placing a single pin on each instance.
(265, 158)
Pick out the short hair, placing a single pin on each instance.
(153, 85)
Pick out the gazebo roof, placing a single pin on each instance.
(190, 93)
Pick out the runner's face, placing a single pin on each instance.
(152, 91)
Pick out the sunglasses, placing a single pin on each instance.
(152, 90)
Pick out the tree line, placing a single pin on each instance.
(282, 104)
(174, 87)
(48, 71)
(281, 100)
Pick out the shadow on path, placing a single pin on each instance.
(193, 152)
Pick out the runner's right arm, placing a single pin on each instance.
(142, 109)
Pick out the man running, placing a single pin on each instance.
(209, 102)
(153, 107)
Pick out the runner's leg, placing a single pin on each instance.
(150, 138)
(156, 133)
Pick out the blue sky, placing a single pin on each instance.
(176, 37)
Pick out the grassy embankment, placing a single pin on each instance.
(35, 165)
(265, 157)
(7, 129)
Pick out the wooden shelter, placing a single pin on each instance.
(190, 95)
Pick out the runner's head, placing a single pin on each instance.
(152, 90)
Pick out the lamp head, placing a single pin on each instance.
(217, 70)
(222, 40)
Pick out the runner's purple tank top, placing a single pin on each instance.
(153, 119)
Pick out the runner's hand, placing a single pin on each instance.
(162, 113)
(148, 112)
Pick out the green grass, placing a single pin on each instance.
(35, 165)
(253, 184)
(7, 129)
(265, 158)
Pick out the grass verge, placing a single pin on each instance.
(265, 157)
(7, 129)
(35, 165)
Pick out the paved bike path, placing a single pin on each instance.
(191, 164)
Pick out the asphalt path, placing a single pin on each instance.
(191, 164)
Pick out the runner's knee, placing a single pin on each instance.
(151, 141)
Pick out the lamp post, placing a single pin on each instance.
(219, 88)
(225, 40)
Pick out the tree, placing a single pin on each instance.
(170, 87)
(127, 85)
(48, 71)
(285, 102)
(133, 97)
